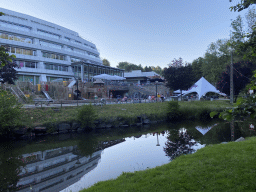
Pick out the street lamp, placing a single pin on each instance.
(76, 78)
(156, 89)
(157, 144)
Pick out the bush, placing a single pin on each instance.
(86, 116)
(173, 110)
(10, 112)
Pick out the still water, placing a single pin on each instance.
(71, 162)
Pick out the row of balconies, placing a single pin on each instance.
(40, 48)
(63, 32)
(58, 41)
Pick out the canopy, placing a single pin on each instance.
(108, 77)
(98, 81)
(205, 129)
(201, 87)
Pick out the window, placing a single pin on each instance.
(48, 34)
(74, 59)
(14, 26)
(48, 44)
(53, 56)
(18, 50)
(30, 64)
(27, 64)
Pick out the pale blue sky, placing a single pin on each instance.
(146, 32)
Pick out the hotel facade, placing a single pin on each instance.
(45, 51)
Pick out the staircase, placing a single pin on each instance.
(15, 90)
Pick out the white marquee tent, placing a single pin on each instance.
(201, 87)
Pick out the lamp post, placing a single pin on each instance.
(76, 78)
(157, 144)
(231, 76)
(156, 89)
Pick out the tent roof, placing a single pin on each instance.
(98, 81)
(206, 129)
(203, 130)
(201, 87)
(108, 77)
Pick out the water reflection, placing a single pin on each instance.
(55, 169)
(204, 130)
(175, 147)
(74, 161)
(10, 164)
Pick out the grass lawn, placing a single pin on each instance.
(39, 116)
(220, 167)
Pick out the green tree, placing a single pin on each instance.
(86, 116)
(197, 68)
(178, 75)
(7, 70)
(157, 69)
(128, 67)
(106, 62)
(147, 69)
(10, 113)
(250, 19)
(215, 60)
(243, 5)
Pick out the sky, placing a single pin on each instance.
(146, 32)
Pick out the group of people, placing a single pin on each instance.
(159, 97)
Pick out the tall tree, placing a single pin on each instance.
(238, 29)
(128, 67)
(157, 69)
(178, 75)
(247, 48)
(197, 68)
(243, 5)
(250, 19)
(7, 70)
(242, 75)
(177, 147)
(215, 60)
(106, 62)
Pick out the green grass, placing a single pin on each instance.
(220, 167)
(126, 112)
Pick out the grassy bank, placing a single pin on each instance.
(126, 112)
(221, 167)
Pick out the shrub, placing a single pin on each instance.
(10, 112)
(173, 110)
(86, 116)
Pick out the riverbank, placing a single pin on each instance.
(220, 167)
(117, 115)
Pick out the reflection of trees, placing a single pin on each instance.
(9, 169)
(179, 146)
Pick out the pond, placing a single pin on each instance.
(71, 162)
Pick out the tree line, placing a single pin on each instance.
(128, 67)
(215, 64)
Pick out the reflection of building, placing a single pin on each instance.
(44, 51)
(54, 170)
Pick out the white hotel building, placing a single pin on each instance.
(45, 51)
